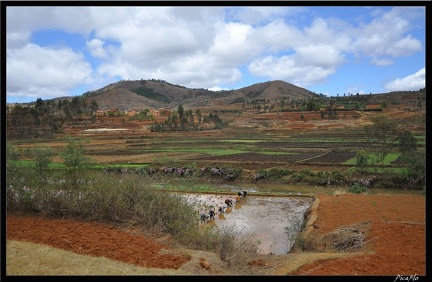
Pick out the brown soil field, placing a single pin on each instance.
(395, 241)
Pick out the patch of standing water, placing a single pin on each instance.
(273, 222)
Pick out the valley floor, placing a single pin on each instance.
(395, 244)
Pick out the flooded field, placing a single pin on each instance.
(273, 222)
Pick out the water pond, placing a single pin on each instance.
(273, 222)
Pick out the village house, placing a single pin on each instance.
(154, 112)
(131, 112)
(164, 112)
(112, 111)
(100, 113)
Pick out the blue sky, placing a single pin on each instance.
(56, 51)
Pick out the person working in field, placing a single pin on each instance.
(228, 202)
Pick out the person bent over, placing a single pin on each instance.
(228, 202)
(212, 214)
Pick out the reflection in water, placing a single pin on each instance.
(274, 222)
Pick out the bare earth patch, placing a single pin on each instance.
(397, 235)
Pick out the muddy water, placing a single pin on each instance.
(272, 222)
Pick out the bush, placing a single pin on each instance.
(261, 174)
(228, 174)
(357, 188)
(127, 200)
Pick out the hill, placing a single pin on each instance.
(141, 94)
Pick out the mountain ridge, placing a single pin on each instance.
(142, 94)
(157, 94)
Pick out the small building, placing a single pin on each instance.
(131, 112)
(112, 111)
(154, 112)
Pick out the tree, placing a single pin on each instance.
(180, 111)
(39, 104)
(94, 105)
(43, 156)
(74, 159)
(190, 115)
(311, 104)
(407, 142)
(362, 160)
(12, 168)
(75, 104)
(415, 171)
(383, 135)
(198, 114)
(174, 119)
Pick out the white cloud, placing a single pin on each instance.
(326, 56)
(405, 46)
(276, 36)
(17, 39)
(198, 46)
(72, 19)
(261, 15)
(384, 36)
(34, 71)
(411, 82)
(286, 68)
(232, 46)
(95, 47)
(381, 62)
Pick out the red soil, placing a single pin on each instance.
(397, 235)
(95, 239)
(396, 239)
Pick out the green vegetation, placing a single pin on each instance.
(149, 93)
(383, 134)
(362, 160)
(407, 142)
(103, 196)
(389, 158)
(357, 188)
(182, 120)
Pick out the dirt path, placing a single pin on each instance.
(397, 238)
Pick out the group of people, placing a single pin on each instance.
(206, 217)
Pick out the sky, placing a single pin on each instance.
(330, 50)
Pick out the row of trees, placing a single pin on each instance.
(43, 118)
(316, 103)
(185, 120)
(73, 156)
(309, 104)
